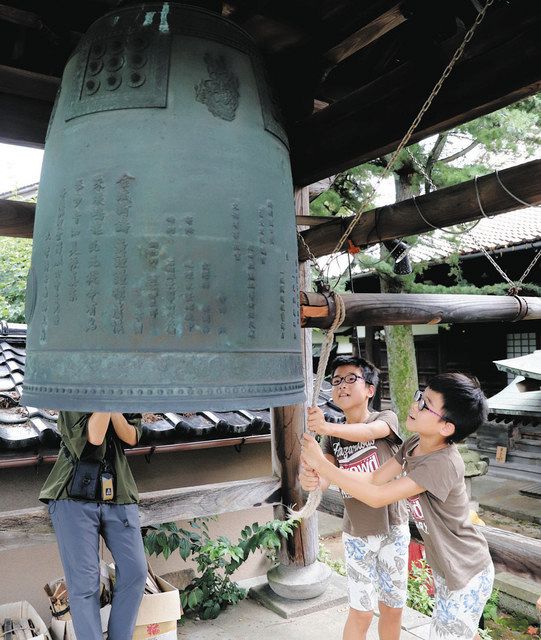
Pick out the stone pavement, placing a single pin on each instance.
(502, 496)
(251, 621)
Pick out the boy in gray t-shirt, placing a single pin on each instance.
(375, 540)
(432, 481)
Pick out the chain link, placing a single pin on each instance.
(530, 267)
(422, 170)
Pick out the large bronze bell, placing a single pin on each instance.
(164, 269)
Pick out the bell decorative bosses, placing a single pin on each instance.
(164, 269)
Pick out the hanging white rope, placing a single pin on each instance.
(314, 497)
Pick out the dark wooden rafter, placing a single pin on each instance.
(17, 218)
(26, 19)
(501, 64)
(366, 34)
(372, 120)
(441, 208)
(29, 84)
(318, 310)
(26, 527)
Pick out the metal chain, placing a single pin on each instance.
(422, 170)
(530, 267)
(311, 255)
(494, 263)
(426, 176)
(479, 200)
(414, 124)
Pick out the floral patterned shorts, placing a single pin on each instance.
(456, 613)
(377, 568)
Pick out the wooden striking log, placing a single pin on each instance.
(417, 308)
(510, 551)
(26, 527)
(497, 70)
(440, 208)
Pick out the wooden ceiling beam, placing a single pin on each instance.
(26, 19)
(371, 121)
(366, 35)
(20, 82)
(442, 208)
(23, 120)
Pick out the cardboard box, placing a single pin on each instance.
(63, 629)
(158, 612)
(156, 631)
(23, 611)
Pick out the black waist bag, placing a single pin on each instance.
(86, 477)
(85, 480)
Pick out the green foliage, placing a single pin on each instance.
(485, 634)
(490, 612)
(324, 556)
(419, 598)
(499, 289)
(418, 595)
(216, 559)
(455, 156)
(15, 256)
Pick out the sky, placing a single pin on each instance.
(19, 166)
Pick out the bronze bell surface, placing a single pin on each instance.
(164, 268)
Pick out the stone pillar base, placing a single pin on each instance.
(299, 583)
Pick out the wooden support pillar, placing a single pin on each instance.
(299, 575)
(287, 427)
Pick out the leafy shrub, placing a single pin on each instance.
(14, 265)
(216, 559)
(324, 556)
(419, 587)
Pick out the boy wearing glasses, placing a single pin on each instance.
(451, 408)
(375, 538)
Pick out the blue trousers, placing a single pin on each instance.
(78, 526)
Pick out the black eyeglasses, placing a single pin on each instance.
(350, 378)
(421, 403)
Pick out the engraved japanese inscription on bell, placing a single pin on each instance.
(164, 269)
